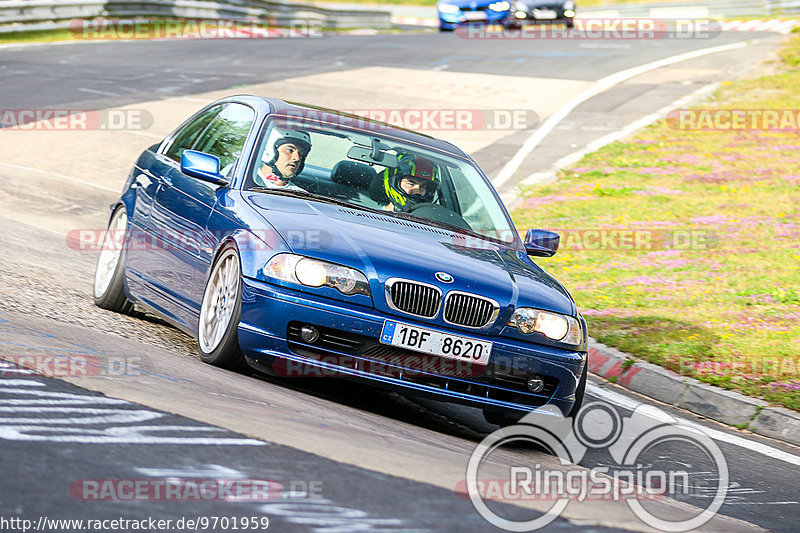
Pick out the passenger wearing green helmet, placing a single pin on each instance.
(288, 160)
(414, 181)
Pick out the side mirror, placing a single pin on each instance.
(202, 166)
(541, 243)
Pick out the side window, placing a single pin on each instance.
(471, 206)
(185, 139)
(226, 135)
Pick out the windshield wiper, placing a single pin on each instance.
(437, 223)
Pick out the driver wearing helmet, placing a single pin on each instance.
(287, 161)
(414, 181)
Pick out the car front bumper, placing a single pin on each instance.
(349, 347)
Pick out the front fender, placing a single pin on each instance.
(255, 250)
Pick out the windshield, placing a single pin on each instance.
(365, 170)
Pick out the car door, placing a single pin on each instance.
(182, 206)
(144, 269)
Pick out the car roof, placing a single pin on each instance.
(283, 107)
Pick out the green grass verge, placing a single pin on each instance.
(707, 280)
(36, 36)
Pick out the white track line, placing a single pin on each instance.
(629, 403)
(638, 124)
(600, 86)
(56, 175)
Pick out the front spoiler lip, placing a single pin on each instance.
(399, 385)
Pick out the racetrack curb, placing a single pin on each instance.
(688, 393)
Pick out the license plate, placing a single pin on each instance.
(544, 14)
(474, 15)
(436, 343)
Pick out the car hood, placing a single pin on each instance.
(383, 247)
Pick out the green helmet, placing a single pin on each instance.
(417, 168)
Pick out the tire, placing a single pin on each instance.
(109, 274)
(570, 24)
(220, 312)
(508, 418)
(443, 29)
(503, 418)
(579, 393)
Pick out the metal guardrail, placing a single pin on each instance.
(714, 10)
(23, 15)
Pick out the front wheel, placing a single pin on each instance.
(109, 274)
(579, 393)
(220, 312)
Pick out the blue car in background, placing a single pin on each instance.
(455, 13)
(332, 275)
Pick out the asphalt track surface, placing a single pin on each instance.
(340, 458)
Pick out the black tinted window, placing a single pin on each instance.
(186, 138)
(226, 135)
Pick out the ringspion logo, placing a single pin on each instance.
(633, 443)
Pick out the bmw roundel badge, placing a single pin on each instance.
(444, 277)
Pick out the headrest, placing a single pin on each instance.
(353, 174)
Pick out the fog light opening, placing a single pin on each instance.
(535, 384)
(309, 334)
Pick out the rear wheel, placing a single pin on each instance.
(109, 274)
(220, 312)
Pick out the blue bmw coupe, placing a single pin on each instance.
(306, 242)
(455, 13)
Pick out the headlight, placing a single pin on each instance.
(552, 325)
(500, 6)
(448, 8)
(315, 273)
